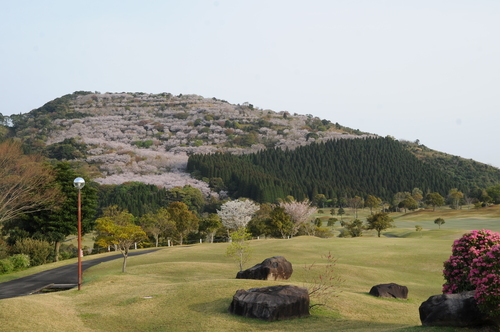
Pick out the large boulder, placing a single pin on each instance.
(271, 303)
(274, 268)
(456, 310)
(390, 290)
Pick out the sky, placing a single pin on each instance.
(426, 70)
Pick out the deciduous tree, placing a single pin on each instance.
(468, 201)
(26, 184)
(379, 222)
(299, 213)
(185, 220)
(494, 193)
(372, 202)
(239, 249)
(399, 197)
(417, 195)
(121, 231)
(259, 224)
(320, 200)
(455, 196)
(434, 199)
(355, 203)
(189, 195)
(409, 203)
(210, 224)
(236, 214)
(157, 224)
(354, 228)
(341, 212)
(439, 222)
(281, 221)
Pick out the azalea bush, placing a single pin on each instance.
(485, 276)
(469, 247)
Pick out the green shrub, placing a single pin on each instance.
(6, 266)
(64, 255)
(332, 221)
(143, 144)
(323, 232)
(20, 261)
(39, 251)
(4, 251)
(67, 251)
(181, 116)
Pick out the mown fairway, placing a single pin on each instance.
(191, 287)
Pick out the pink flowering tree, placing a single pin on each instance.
(469, 247)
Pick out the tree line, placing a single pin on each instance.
(38, 210)
(336, 168)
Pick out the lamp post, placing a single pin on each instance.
(79, 183)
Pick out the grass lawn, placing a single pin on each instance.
(189, 288)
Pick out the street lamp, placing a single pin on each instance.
(79, 183)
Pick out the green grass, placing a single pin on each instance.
(190, 288)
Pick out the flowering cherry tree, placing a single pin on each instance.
(299, 212)
(236, 214)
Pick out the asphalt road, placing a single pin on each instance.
(64, 276)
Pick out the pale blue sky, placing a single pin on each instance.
(413, 69)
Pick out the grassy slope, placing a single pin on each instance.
(192, 286)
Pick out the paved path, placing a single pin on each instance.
(65, 275)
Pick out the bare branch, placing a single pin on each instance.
(26, 185)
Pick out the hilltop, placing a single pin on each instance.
(123, 137)
(138, 136)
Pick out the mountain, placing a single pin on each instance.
(123, 137)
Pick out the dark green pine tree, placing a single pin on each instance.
(375, 166)
(136, 197)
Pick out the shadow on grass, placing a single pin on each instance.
(445, 329)
(321, 319)
(217, 306)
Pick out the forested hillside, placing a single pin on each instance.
(337, 168)
(461, 170)
(148, 138)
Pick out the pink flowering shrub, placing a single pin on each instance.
(465, 250)
(485, 277)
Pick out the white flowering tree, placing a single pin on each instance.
(235, 215)
(299, 212)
